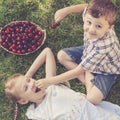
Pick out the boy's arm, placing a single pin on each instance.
(60, 14)
(71, 74)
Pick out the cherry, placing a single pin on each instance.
(17, 29)
(37, 90)
(29, 50)
(55, 25)
(3, 37)
(33, 47)
(14, 50)
(18, 51)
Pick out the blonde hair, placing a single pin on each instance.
(99, 8)
(9, 85)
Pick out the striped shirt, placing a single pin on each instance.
(102, 55)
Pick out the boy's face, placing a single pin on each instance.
(95, 28)
(27, 90)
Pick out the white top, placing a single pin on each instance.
(62, 103)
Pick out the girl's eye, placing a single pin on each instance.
(98, 26)
(26, 88)
(28, 80)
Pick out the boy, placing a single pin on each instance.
(97, 63)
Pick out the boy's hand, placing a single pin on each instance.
(60, 14)
(42, 83)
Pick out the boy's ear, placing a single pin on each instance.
(22, 101)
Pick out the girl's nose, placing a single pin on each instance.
(32, 83)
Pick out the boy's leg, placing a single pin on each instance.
(98, 88)
(70, 58)
(93, 94)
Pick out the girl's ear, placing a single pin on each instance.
(112, 26)
(22, 101)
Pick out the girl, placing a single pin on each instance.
(57, 102)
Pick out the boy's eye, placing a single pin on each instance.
(88, 22)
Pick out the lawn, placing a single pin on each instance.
(69, 33)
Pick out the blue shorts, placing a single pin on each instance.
(101, 81)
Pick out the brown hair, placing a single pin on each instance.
(99, 8)
(10, 82)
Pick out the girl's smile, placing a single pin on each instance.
(26, 89)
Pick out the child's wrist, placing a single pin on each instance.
(28, 75)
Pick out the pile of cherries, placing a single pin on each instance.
(21, 37)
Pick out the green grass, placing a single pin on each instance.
(69, 33)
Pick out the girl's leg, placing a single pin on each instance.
(46, 56)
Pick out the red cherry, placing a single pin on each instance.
(7, 31)
(18, 51)
(13, 35)
(40, 33)
(18, 43)
(17, 29)
(55, 25)
(30, 34)
(33, 47)
(39, 42)
(12, 46)
(14, 41)
(19, 46)
(28, 22)
(18, 38)
(36, 37)
(23, 51)
(3, 38)
(29, 50)
(14, 50)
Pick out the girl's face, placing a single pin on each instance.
(95, 28)
(27, 90)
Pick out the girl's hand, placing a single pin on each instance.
(60, 14)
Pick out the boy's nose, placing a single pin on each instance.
(92, 29)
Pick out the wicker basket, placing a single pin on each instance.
(43, 38)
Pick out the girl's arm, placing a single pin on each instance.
(60, 14)
(46, 56)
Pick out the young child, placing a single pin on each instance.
(57, 102)
(97, 63)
